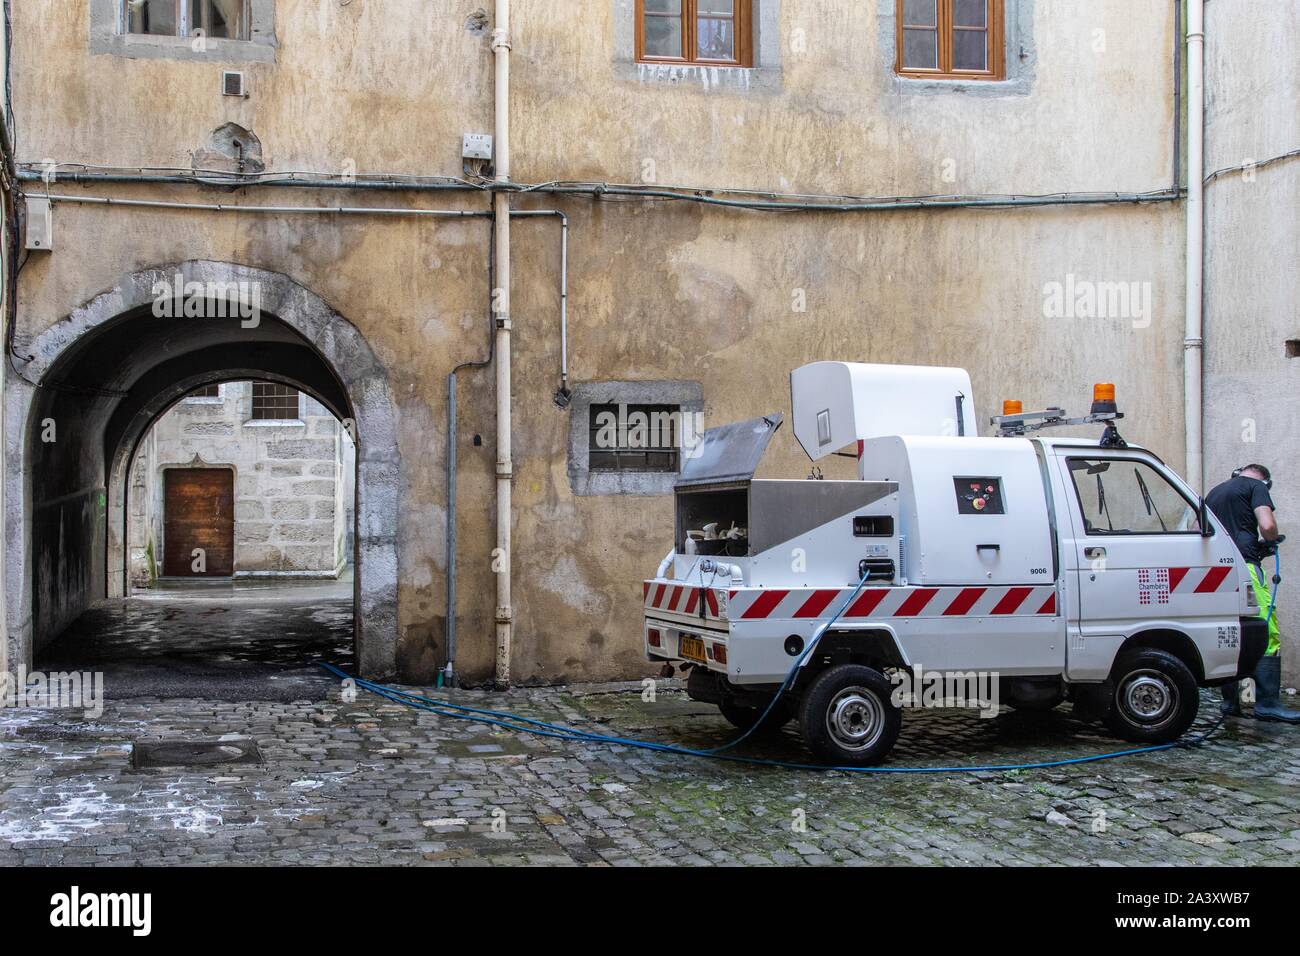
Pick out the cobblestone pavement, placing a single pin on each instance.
(367, 781)
(370, 782)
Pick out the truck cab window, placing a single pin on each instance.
(1125, 496)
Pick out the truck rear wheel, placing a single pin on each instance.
(847, 717)
(1155, 698)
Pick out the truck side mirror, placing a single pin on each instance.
(1207, 529)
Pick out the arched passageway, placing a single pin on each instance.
(110, 369)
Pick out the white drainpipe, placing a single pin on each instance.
(501, 559)
(1193, 342)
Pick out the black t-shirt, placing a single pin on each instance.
(1234, 503)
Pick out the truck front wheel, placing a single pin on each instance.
(1155, 697)
(847, 717)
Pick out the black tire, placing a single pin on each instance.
(1154, 698)
(847, 718)
(743, 718)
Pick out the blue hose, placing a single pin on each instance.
(541, 728)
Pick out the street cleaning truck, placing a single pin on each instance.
(1062, 568)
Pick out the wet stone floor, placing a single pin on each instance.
(323, 779)
(249, 640)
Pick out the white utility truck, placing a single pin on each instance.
(1064, 568)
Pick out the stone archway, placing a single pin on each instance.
(296, 320)
(134, 431)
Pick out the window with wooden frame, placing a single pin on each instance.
(274, 402)
(951, 39)
(707, 32)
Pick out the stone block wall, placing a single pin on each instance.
(292, 505)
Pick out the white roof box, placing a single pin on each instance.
(835, 404)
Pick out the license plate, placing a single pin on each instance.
(692, 648)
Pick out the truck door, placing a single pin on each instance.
(1139, 559)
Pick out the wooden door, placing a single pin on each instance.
(199, 513)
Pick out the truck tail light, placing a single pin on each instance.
(720, 653)
(654, 638)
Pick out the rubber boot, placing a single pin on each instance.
(1231, 706)
(1268, 691)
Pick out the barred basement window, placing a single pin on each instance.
(634, 438)
(274, 402)
(206, 391)
(222, 19)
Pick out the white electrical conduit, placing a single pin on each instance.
(503, 556)
(562, 397)
(1193, 341)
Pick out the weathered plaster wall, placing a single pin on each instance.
(388, 86)
(665, 292)
(1095, 116)
(1252, 387)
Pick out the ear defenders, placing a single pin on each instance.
(1268, 483)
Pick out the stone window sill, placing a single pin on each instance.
(736, 79)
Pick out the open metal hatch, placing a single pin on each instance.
(728, 453)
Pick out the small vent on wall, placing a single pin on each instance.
(232, 83)
(1293, 348)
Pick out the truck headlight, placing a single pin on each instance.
(1251, 600)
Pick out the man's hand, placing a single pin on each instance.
(1267, 523)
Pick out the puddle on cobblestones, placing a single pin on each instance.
(193, 753)
(1260, 787)
(486, 747)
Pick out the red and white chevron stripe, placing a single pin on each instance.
(751, 604)
(681, 599)
(1202, 580)
(797, 604)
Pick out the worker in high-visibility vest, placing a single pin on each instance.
(1245, 507)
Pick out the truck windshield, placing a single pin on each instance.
(1126, 496)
